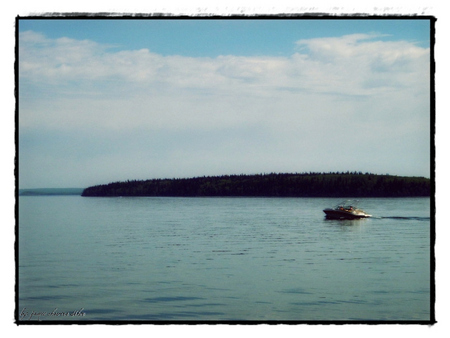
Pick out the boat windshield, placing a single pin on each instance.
(347, 205)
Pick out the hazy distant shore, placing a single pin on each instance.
(355, 184)
(50, 191)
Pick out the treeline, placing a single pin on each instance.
(349, 184)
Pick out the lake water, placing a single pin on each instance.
(221, 259)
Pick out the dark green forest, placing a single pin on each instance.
(349, 184)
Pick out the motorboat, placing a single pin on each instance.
(345, 210)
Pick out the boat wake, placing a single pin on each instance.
(406, 218)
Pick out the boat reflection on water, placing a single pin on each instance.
(345, 210)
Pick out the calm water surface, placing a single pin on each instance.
(221, 259)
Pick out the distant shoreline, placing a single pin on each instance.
(51, 192)
(349, 184)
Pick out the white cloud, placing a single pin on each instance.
(325, 65)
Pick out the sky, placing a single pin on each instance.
(110, 100)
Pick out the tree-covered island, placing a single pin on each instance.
(349, 184)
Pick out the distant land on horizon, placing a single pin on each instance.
(50, 191)
(348, 184)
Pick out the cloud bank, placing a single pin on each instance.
(90, 113)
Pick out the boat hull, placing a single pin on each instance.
(343, 214)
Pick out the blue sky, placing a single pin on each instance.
(211, 37)
(111, 100)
